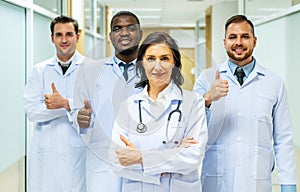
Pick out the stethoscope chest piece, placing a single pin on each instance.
(141, 128)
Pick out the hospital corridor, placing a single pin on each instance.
(247, 141)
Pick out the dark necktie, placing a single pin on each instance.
(125, 69)
(239, 72)
(64, 66)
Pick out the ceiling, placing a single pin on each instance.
(177, 13)
(185, 13)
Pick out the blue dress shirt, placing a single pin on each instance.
(247, 68)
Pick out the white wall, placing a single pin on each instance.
(43, 47)
(278, 48)
(20, 32)
(220, 13)
(13, 63)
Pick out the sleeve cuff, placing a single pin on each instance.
(288, 188)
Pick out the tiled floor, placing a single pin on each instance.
(13, 178)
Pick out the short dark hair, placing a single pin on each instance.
(238, 19)
(63, 19)
(153, 39)
(122, 13)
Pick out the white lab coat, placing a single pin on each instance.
(103, 84)
(57, 153)
(246, 129)
(166, 167)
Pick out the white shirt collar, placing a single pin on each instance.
(67, 62)
(171, 92)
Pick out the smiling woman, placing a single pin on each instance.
(160, 127)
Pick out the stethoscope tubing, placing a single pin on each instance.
(142, 128)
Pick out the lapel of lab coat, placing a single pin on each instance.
(258, 70)
(78, 59)
(117, 71)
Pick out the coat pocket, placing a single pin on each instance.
(181, 185)
(265, 106)
(213, 161)
(43, 134)
(262, 163)
(132, 186)
(212, 176)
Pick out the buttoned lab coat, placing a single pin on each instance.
(247, 129)
(103, 84)
(57, 152)
(165, 166)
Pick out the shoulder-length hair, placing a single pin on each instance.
(153, 39)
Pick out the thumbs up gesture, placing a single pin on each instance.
(129, 155)
(56, 100)
(84, 115)
(127, 142)
(219, 88)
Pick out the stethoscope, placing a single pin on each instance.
(142, 128)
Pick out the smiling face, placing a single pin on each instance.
(158, 62)
(65, 38)
(239, 43)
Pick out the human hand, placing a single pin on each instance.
(56, 100)
(186, 142)
(84, 115)
(219, 88)
(129, 155)
(127, 142)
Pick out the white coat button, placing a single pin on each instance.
(240, 114)
(238, 164)
(238, 139)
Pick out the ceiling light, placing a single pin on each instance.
(270, 9)
(255, 17)
(149, 16)
(139, 9)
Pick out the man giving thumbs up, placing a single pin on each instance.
(57, 154)
(249, 126)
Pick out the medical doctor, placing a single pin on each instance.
(160, 134)
(57, 153)
(100, 87)
(248, 119)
